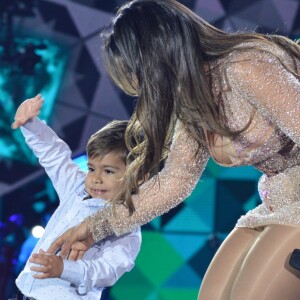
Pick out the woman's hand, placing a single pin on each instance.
(73, 243)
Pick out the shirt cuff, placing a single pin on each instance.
(33, 124)
(73, 272)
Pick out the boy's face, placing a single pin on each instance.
(104, 175)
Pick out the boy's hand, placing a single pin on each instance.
(27, 110)
(49, 265)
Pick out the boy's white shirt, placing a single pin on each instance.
(104, 263)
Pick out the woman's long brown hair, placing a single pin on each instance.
(157, 50)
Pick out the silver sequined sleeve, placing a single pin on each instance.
(176, 181)
(263, 81)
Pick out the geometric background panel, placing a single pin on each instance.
(188, 219)
(188, 281)
(201, 259)
(230, 198)
(288, 11)
(210, 10)
(201, 201)
(169, 259)
(185, 245)
(239, 173)
(109, 103)
(87, 83)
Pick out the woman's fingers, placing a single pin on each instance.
(63, 243)
(77, 251)
(66, 247)
(75, 239)
(57, 244)
(80, 254)
(41, 275)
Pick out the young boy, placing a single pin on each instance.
(48, 276)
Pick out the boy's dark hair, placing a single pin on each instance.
(110, 138)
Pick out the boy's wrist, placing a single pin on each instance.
(31, 122)
(72, 272)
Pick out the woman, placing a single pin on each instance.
(232, 97)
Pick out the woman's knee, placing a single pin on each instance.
(217, 282)
(264, 273)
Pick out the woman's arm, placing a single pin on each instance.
(175, 183)
(157, 196)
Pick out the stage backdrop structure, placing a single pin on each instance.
(53, 47)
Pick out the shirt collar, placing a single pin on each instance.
(89, 201)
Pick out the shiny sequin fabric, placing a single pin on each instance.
(255, 86)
